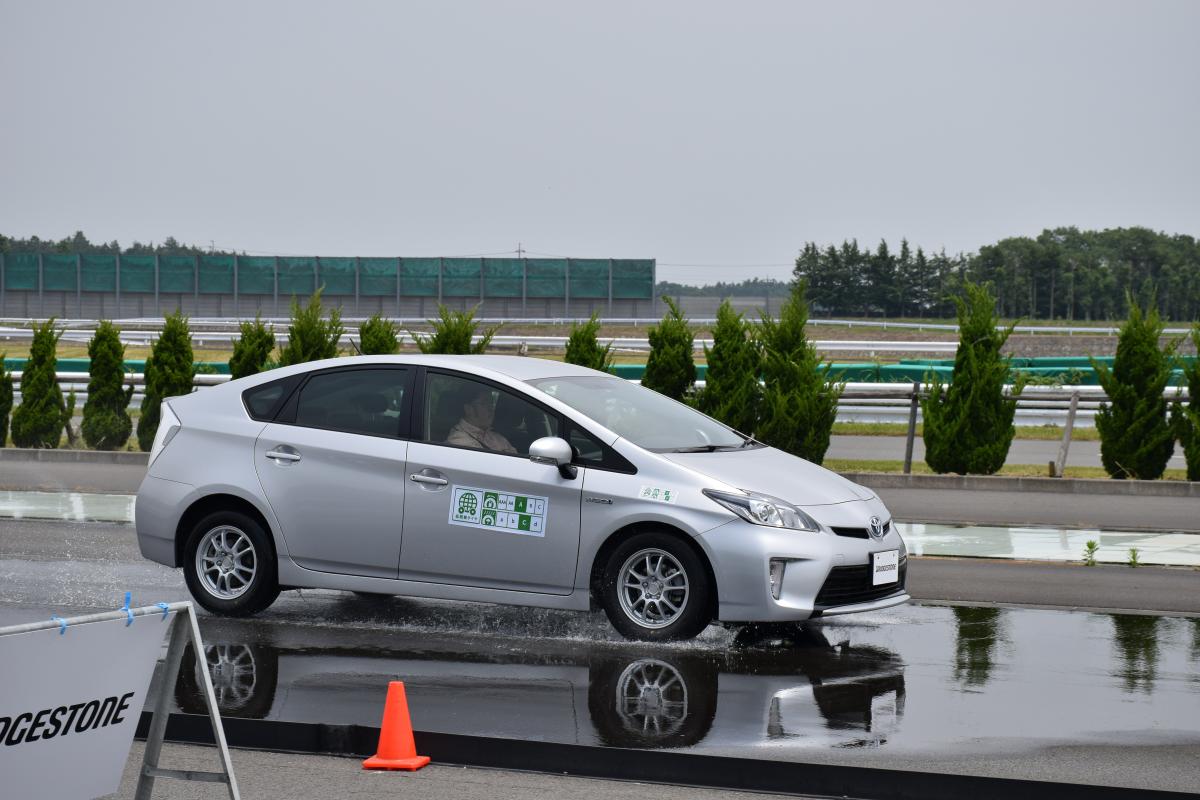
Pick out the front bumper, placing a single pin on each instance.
(824, 574)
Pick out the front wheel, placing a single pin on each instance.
(656, 588)
(229, 565)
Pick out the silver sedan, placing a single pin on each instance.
(503, 480)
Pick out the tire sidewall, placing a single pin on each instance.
(696, 615)
(264, 588)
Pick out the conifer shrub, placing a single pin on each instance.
(311, 337)
(252, 350)
(6, 400)
(799, 399)
(1136, 436)
(583, 347)
(377, 337)
(671, 368)
(452, 334)
(731, 390)
(170, 372)
(969, 424)
(42, 415)
(1186, 419)
(106, 422)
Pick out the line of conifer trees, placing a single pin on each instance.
(766, 379)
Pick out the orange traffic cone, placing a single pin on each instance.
(396, 747)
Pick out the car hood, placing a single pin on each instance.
(774, 472)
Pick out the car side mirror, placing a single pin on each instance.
(555, 452)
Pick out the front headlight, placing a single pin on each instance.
(762, 509)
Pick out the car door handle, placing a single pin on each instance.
(419, 478)
(282, 455)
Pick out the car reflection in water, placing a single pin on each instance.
(767, 687)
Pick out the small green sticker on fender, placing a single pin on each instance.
(658, 494)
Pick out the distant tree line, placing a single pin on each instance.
(752, 287)
(79, 243)
(1064, 273)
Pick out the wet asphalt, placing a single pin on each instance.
(1087, 697)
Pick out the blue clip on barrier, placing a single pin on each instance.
(62, 625)
(128, 611)
(163, 606)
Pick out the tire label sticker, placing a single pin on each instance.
(658, 493)
(499, 511)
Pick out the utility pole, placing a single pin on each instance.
(520, 251)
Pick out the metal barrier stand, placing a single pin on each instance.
(181, 633)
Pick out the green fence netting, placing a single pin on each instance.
(633, 279)
(589, 278)
(419, 277)
(461, 277)
(377, 276)
(297, 277)
(216, 274)
(98, 272)
(176, 274)
(541, 278)
(503, 277)
(256, 275)
(336, 275)
(137, 274)
(21, 272)
(546, 277)
(58, 272)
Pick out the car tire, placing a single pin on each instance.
(229, 564)
(674, 599)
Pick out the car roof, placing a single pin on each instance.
(521, 368)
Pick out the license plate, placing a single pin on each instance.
(885, 567)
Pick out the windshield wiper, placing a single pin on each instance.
(706, 448)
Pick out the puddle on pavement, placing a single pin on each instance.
(1050, 544)
(67, 506)
(914, 679)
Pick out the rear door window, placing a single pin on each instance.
(372, 402)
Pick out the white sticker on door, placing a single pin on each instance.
(503, 512)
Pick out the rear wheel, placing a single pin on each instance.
(656, 588)
(229, 564)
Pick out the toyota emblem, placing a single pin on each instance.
(876, 528)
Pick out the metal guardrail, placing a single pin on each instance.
(82, 335)
(859, 402)
(282, 322)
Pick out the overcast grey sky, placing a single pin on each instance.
(715, 134)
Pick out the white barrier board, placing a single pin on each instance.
(70, 703)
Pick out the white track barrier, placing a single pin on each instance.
(73, 693)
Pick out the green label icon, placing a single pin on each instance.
(521, 505)
(488, 518)
(467, 504)
(491, 500)
(523, 522)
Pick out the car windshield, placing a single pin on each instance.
(644, 417)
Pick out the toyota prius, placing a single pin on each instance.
(503, 479)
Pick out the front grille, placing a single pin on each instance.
(850, 585)
(859, 533)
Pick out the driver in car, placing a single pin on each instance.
(475, 427)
